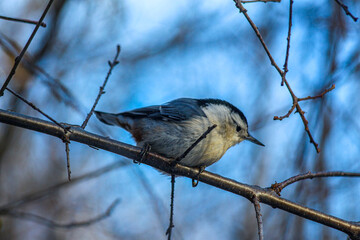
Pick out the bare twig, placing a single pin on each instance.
(287, 45)
(258, 217)
(293, 96)
(52, 224)
(195, 143)
(18, 58)
(321, 95)
(264, 195)
(155, 200)
(346, 10)
(171, 221)
(278, 187)
(242, 10)
(286, 115)
(67, 150)
(101, 91)
(42, 193)
(36, 108)
(22, 20)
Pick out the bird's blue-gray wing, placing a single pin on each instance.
(176, 110)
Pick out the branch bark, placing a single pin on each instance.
(264, 195)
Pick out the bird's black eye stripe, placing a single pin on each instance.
(238, 128)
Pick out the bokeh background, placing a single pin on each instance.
(174, 49)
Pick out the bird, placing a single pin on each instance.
(172, 128)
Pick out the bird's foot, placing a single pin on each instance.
(195, 181)
(144, 151)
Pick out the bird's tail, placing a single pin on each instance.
(114, 119)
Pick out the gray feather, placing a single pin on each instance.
(177, 110)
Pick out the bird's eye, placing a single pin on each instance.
(238, 128)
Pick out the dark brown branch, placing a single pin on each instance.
(321, 95)
(22, 20)
(196, 143)
(171, 220)
(346, 10)
(258, 218)
(52, 224)
(18, 58)
(101, 91)
(278, 187)
(287, 45)
(293, 96)
(266, 196)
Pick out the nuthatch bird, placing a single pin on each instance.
(170, 129)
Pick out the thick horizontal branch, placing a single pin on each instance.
(266, 196)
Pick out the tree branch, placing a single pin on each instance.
(346, 10)
(266, 196)
(258, 218)
(52, 224)
(22, 20)
(18, 58)
(45, 192)
(278, 187)
(101, 90)
(242, 10)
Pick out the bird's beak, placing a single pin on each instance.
(252, 139)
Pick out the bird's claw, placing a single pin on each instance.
(144, 151)
(195, 181)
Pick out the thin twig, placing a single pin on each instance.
(101, 91)
(52, 224)
(287, 45)
(22, 20)
(171, 221)
(67, 150)
(346, 10)
(286, 115)
(278, 187)
(18, 58)
(321, 95)
(293, 96)
(258, 218)
(182, 156)
(36, 108)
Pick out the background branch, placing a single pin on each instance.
(18, 58)
(22, 20)
(52, 224)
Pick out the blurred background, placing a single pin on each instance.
(173, 49)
